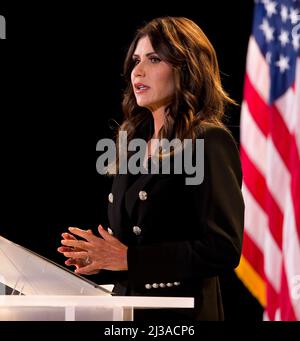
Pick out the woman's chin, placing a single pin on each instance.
(143, 104)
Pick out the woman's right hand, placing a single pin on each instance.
(77, 262)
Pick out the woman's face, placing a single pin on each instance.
(152, 79)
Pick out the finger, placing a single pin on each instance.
(80, 254)
(63, 249)
(81, 244)
(105, 234)
(88, 235)
(67, 235)
(70, 261)
(76, 262)
(86, 270)
(94, 272)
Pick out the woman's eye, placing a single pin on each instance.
(135, 61)
(155, 60)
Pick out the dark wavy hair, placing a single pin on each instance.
(199, 96)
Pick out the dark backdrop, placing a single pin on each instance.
(61, 86)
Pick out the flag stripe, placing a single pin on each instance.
(256, 184)
(256, 220)
(291, 250)
(257, 70)
(255, 255)
(286, 308)
(256, 105)
(253, 140)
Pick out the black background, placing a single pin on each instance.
(60, 86)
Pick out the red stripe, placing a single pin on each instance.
(253, 255)
(257, 186)
(286, 308)
(257, 106)
(272, 301)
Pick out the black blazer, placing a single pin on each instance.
(179, 237)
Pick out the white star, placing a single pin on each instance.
(284, 37)
(283, 63)
(270, 7)
(284, 13)
(268, 30)
(294, 16)
(269, 57)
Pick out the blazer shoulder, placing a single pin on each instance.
(216, 136)
(220, 146)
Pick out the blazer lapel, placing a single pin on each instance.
(115, 210)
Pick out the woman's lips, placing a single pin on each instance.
(140, 88)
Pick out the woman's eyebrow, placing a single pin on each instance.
(147, 54)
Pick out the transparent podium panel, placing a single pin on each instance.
(27, 273)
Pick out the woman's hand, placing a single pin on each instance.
(77, 262)
(94, 253)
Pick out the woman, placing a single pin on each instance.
(167, 238)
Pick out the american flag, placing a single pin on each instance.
(270, 154)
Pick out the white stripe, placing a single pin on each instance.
(266, 316)
(253, 140)
(256, 221)
(278, 178)
(291, 251)
(258, 70)
(256, 226)
(273, 261)
(285, 105)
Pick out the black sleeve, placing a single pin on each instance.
(219, 247)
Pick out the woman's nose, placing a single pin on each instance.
(139, 70)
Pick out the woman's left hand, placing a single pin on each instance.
(99, 253)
